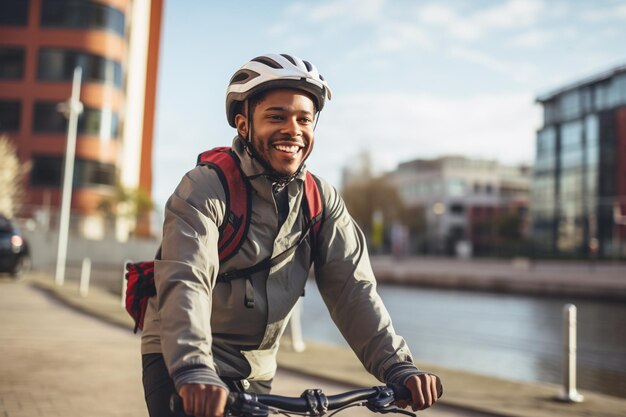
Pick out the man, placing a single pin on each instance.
(202, 337)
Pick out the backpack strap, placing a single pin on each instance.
(234, 228)
(314, 205)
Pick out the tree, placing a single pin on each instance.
(378, 196)
(11, 176)
(509, 227)
(129, 203)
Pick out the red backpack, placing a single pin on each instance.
(140, 276)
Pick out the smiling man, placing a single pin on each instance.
(204, 335)
(283, 129)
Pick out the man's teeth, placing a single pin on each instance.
(289, 149)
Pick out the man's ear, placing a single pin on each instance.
(241, 122)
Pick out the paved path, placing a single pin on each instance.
(42, 373)
(56, 361)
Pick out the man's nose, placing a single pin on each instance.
(291, 127)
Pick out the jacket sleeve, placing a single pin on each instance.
(348, 286)
(185, 276)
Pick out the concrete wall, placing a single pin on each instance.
(107, 257)
(103, 253)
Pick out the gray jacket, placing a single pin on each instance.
(203, 329)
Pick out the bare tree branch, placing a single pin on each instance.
(11, 175)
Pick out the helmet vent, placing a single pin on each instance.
(268, 61)
(243, 76)
(289, 58)
(308, 65)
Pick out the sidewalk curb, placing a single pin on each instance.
(98, 303)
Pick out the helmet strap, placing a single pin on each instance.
(317, 119)
(246, 105)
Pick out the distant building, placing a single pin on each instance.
(579, 183)
(116, 42)
(461, 199)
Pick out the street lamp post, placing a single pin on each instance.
(72, 110)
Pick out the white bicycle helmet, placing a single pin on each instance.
(270, 71)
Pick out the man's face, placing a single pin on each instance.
(282, 129)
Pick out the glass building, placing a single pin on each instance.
(579, 183)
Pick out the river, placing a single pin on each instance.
(510, 336)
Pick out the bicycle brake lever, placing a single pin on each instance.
(382, 404)
(250, 410)
(396, 410)
(244, 405)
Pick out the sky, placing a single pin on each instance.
(410, 78)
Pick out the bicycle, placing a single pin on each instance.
(312, 402)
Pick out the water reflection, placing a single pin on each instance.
(514, 337)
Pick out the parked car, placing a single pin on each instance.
(14, 252)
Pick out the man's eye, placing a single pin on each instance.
(306, 120)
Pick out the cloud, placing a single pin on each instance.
(604, 14)
(514, 13)
(399, 36)
(380, 27)
(450, 20)
(401, 127)
(518, 71)
(469, 27)
(358, 10)
(532, 39)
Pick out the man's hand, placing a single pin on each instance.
(202, 400)
(425, 390)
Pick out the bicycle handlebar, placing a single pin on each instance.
(312, 401)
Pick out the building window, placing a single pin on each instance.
(592, 132)
(550, 112)
(457, 208)
(47, 172)
(586, 100)
(93, 173)
(11, 63)
(47, 119)
(10, 112)
(570, 105)
(82, 15)
(572, 160)
(546, 140)
(610, 93)
(101, 123)
(59, 64)
(13, 12)
(620, 86)
(572, 145)
(456, 188)
(571, 135)
(546, 146)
